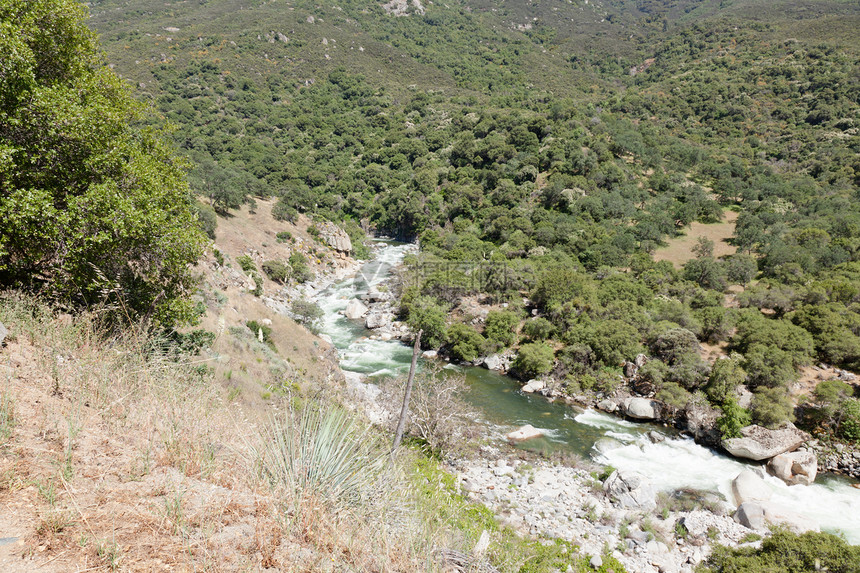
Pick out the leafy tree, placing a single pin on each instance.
(500, 327)
(466, 344)
(733, 419)
(428, 315)
(769, 366)
(93, 209)
(534, 359)
(725, 376)
(771, 407)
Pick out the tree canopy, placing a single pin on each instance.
(94, 208)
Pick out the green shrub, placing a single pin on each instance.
(849, 427)
(301, 271)
(246, 263)
(538, 329)
(786, 552)
(534, 359)
(466, 344)
(307, 312)
(284, 236)
(277, 271)
(206, 218)
(733, 419)
(283, 212)
(219, 257)
(500, 327)
(257, 328)
(771, 407)
(426, 314)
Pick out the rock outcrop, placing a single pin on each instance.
(794, 468)
(760, 443)
(630, 491)
(335, 237)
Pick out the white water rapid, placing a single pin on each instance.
(674, 463)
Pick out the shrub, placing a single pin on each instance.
(849, 427)
(284, 236)
(246, 263)
(733, 419)
(261, 329)
(206, 218)
(428, 315)
(500, 327)
(277, 271)
(322, 456)
(307, 312)
(786, 552)
(534, 359)
(725, 376)
(466, 344)
(769, 366)
(283, 212)
(538, 329)
(771, 407)
(301, 271)
(671, 344)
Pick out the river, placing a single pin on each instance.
(671, 464)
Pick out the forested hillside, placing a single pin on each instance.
(566, 142)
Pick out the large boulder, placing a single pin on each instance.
(335, 237)
(355, 309)
(760, 514)
(630, 490)
(534, 385)
(641, 408)
(377, 319)
(794, 468)
(758, 443)
(523, 433)
(748, 486)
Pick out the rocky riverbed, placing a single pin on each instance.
(622, 516)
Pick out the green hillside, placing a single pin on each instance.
(569, 141)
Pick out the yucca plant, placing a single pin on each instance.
(323, 456)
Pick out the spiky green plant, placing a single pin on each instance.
(325, 456)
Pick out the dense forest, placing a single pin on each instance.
(565, 143)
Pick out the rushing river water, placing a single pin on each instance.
(674, 463)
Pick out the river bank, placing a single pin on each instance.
(566, 497)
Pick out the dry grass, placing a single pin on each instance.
(119, 459)
(680, 249)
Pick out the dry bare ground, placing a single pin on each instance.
(680, 249)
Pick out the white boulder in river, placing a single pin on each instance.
(760, 514)
(794, 468)
(355, 309)
(534, 385)
(749, 486)
(641, 408)
(758, 443)
(523, 433)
